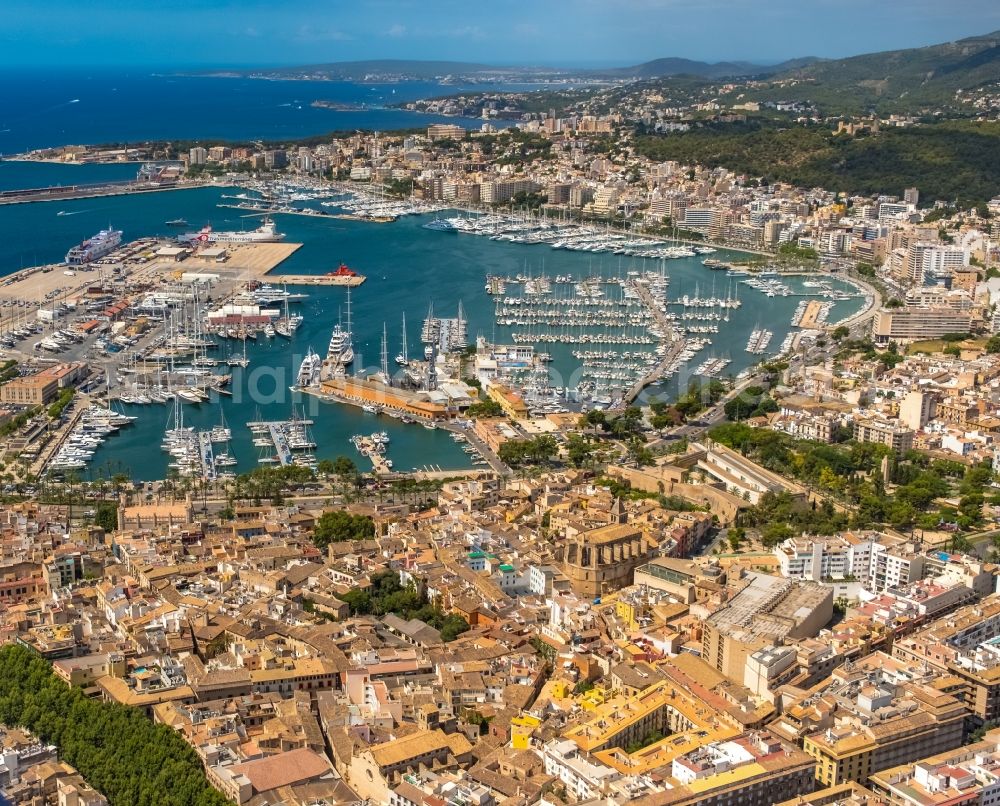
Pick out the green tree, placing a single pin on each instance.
(578, 450)
(107, 516)
(338, 526)
(487, 407)
(120, 752)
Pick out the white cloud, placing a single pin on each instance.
(396, 30)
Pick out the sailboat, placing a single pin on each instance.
(289, 323)
(403, 359)
(221, 432)
(383, 374)
(237, 361)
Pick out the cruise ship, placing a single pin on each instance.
(94, 248)
(267, 232)
(309, 370)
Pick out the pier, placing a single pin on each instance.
(207, 456)
(320, 280)
(668, 358)
(279, 431)
(810, 315)
(281, 449)
(49, 452)
(373, 450)
(310, 212)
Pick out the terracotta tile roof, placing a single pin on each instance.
(285, 768)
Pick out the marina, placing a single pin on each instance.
(614, 345)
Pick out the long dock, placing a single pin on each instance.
(282, 451)
(276, 430)
(207, 455)
(810, 315)
(665, 325)
(319, 280)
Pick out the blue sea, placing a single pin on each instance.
(43, 108)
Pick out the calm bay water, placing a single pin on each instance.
(41, 109)
(20, 175)
(407, 267)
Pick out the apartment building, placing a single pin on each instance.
(962, 645)
(883, 432)
(916, 323)
(966, 775)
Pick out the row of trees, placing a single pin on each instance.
(116, 749)
(536, 451)
(487, 407)
(58, 406)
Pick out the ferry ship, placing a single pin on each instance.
(309, 370)
(267, 232)
(107, 240)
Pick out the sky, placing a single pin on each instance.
(185, 33)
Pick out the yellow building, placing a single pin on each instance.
(512, 403)
(856, 749)
(34, 390)
(661, 708)
(521, 728)
(626, 611)
(842, 794)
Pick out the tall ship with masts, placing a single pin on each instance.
(403, 358)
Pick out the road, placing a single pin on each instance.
(495, 463)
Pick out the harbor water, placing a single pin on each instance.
(408, 267)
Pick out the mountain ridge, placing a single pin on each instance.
(928, 75)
